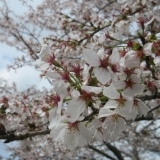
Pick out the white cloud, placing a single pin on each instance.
(25, 77)
(7, 55)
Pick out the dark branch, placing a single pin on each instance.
(13, 137)
(144, 98)
(100, 152)
(154, 108)
(115, 151)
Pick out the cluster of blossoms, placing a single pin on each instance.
(95, 99)
(18, 110)
(114, 81)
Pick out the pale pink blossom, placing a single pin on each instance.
(78, 105)
(46, 58)
(131, 86)
(100, 62)
(113, 124)
(60, 93)
(147, 49)
(95, 128)
(121, 104)
(131, 59)
(72, 135)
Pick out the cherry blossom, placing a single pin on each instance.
(130, 86)
(55, 113)
(121, 104)
(78, 105)
(102, 60)
(72, 135)
(113, 124)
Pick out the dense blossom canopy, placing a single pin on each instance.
(103, 61)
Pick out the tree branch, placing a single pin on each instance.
(13, 137)
(115, 151)
(154, 108)
(144, 98)
(100, 152)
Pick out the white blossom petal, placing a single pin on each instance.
(85, 132)
(142, 108)
(111, 104)
(61, 89)
(70, 140)
(135, 79)
(105, 112)
(75, 108)
(147, 49)
(115, 56)
(120, 84)
(53, 75)
(111, 92)
(91, 57)
(131, 59)
(138, 89)
(60, 129)
(45, 50)
(95, 90)
(102, 75)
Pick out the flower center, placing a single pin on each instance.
(86, 96)
(65, 76)
(72, 127)
(104, 62)
(48, 58)
(56, 99)
(114, 118)
(115, 67)
(121, 101)
(76, 68)
(129, 83)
